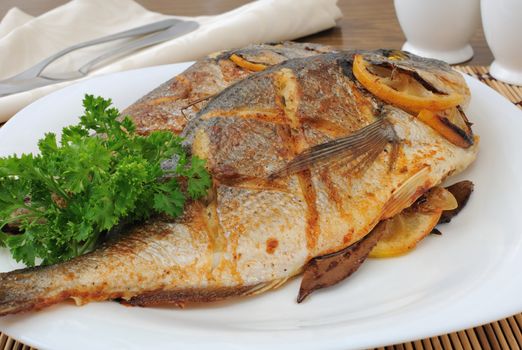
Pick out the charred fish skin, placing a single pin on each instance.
(173, 103)
(253, 234)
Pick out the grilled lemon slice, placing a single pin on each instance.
(398, 87)
(450, 124)
(405, 230)
(252, 66)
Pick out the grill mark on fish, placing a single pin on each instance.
(288, 96)
(164, 99)
(263, 115)
(307, 189)
(216, 244)
(258, 61)
(332, 193)
(333, 130)
(234, 241)
(227, 246)
(212, 229)
(226, 262)
(312, 215)
(201, 228)
(256, 183)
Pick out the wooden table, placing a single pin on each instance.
(367, 24)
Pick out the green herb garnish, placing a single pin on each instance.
(62, 200)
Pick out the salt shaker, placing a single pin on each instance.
(502, 21)
(439, 29)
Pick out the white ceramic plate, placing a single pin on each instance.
(468, 276)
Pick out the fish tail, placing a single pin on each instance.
(20, 290)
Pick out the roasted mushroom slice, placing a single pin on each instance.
(327, 270)
(461, 191)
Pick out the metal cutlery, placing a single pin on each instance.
(155, 33)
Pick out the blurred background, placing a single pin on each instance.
(366, 24)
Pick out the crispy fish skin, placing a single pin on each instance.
(173, 103)
(253, 234)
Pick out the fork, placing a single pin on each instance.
(158, 32)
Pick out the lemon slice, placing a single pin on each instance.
(400, 88)
(240, 61)
(406, 229)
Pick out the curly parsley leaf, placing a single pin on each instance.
(100, 174)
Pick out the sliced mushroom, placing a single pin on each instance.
(327, 270)
(461, 191)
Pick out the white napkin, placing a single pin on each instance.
(26, 40)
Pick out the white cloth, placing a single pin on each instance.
(26, 40)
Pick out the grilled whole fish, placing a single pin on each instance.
(255, 231)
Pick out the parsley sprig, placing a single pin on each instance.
(100, 174)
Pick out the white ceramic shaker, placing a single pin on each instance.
(439, 29)
(502, 21)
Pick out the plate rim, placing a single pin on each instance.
(338, 341)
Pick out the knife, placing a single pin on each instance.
(161, 32)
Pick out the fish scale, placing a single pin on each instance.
(254, 232)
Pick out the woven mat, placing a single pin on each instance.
(504, 334)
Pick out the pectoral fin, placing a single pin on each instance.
(360, 149)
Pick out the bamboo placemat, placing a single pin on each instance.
(505, 334)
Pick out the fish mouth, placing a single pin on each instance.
(421, 87)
